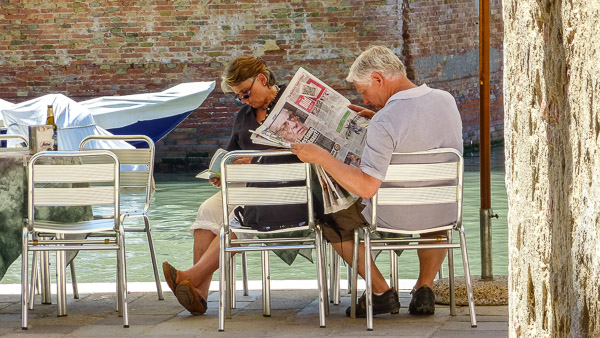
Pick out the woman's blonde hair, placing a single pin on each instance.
(378, 59)
(242, 68)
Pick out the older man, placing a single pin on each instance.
(410, 118)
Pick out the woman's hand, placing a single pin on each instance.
(215, 181)
(361, 111)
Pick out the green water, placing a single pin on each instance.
(177, 199)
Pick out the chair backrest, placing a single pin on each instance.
(240, 183)
(6, 137)
(428, 183)
(137, 164)
(64, 178)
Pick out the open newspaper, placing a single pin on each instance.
(309, 111)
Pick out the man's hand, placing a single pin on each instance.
(309, 152)
(361, 111)
(215, 181)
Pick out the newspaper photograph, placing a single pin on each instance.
(310, 111)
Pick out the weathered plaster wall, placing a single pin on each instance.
(552, 122)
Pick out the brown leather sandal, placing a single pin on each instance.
(189, 298)
(170, 276)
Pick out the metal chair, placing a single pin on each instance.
(234, 178)
(65, 178)
(425, 179)
(137, 168)
(6, 137)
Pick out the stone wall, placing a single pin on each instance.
(552, 122)
(85, 49)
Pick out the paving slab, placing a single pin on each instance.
(294, 314)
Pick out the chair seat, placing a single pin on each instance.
(96, 225)
(413, 232)
(237, 228)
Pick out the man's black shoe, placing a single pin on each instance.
(422, 302)
(385, 303)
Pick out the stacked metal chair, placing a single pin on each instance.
(72, 178)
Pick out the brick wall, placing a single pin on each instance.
(85, 49)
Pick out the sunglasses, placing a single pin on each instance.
(245, 96)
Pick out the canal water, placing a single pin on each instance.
(178, 196)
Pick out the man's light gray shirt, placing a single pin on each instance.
(416, 119)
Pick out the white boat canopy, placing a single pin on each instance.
(73, 121)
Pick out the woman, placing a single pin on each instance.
(254, 85)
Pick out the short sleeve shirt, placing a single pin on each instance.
(412, 120)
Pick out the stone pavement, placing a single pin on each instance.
(294, 314)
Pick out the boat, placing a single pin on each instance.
(150, 114)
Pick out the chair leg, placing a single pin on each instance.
(393, 270)
(119, 287)
(24, 279)
(35, 281)
(338, 273)
(368, 281)
(74, 280)
(324, 288)
(245, 273)
(233, 279)
(153, 258)
(228, 305)
(222, 282)
(451, 286)
(334, 270)
(61, 282)
(331, 265)
(354, 276)
(38, 279)
(122, 274)
(463, 249)
(321, 277)
(266, 283)
(45, 277)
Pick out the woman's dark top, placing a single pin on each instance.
(245, 121)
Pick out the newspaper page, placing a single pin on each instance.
(310, 111)
(214, 168)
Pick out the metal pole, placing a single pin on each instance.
(484, 140)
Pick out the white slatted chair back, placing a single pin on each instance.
(421, 179)
(235, 178)
(137, 164)
(65, 178)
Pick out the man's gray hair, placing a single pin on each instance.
(378, 59)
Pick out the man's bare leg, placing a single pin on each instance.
(430, 261)
(345, 250)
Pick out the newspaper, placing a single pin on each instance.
(214, 168)
(310, 111)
